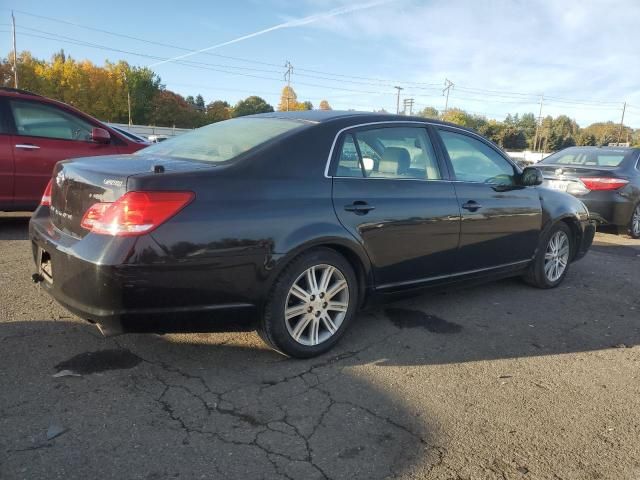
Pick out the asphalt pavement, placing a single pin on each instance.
(492, 381)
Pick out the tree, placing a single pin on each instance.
(218, 111)
(250, 106)
(288, 100)
(143, 85)
(513, 138)
(460, 117)
(169, 109)
(324, 105)
(429, 112)
(586, 139)
(493, 130)
(199, 103)
(307, 105)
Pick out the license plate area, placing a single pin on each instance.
(561, 185)
(45, 269)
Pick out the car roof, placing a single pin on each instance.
(325, 116)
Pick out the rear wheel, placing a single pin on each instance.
(551, 263)
(634, 224)
(310, 305)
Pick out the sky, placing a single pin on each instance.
(582, 56)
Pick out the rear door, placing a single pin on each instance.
(45, 134)
(501, 221)
(6, 160)
(390, 192)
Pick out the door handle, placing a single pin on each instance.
(471, 205)
(359, 207)
(27, 146)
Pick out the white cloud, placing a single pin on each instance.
(585, 50)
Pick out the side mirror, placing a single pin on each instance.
(100, 135)
(531, 177)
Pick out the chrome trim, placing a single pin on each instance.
(27, 146)
(451, 275)
(414, 122)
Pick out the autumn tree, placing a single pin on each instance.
(218, 111)
(324, 105)
(288, 100)
(429, 112)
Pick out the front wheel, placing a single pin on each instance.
(310, 305)
(551, 263)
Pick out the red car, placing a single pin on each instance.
(35, 133)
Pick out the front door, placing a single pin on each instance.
(389, 192)
(44, 135)
(501, 221)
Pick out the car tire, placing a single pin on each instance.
(306, 313)
(634, 223)
(551, 263)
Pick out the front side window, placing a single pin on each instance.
(475, 161)
(38, 120)
(392, 152)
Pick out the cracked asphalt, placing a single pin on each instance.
(492, 381)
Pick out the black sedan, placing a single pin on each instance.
(298, 219)
(606, 179)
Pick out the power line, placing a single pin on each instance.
(167, 45)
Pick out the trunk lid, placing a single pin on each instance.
(80, 183)
(566, 178)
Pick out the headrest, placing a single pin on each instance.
(397, 156)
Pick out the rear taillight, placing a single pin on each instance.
(135, 213)
(603, 183)
(46, 196)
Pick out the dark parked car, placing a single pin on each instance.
(37, 132)
(606, 179)
(299, 218)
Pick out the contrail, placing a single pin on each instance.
(291, 23)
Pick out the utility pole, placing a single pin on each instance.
(624, 108)
(448, 85)
(538, 125)
(287, 77)
(128, 96)
(398, 100)
(15, 53)
(408, 102)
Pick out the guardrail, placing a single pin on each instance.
(146, 130)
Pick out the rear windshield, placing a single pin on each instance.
(222, 141)
(588, 158)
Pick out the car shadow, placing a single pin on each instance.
(198, 407)
(14, 226)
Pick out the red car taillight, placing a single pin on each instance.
(603, 183)
(46, 196)
(135, 213)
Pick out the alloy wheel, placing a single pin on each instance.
(556, 256)
(316, 304)
(635, 222)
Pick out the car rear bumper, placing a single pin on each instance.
(121, 284)
(608, 207)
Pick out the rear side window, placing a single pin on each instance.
(393, 153)
(222, 141)
(474, 161)
(39, 120)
